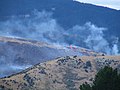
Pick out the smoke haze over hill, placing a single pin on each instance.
(42, 26)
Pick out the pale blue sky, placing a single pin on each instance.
(107, 3)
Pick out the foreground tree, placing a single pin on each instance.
(106, 79)
(85, 86)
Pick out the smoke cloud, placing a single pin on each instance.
(42, 26)
(37, 25)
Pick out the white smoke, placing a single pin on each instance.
(96, 40)
(115, 49)
(37, 25)
(41, 26)
(92, 37)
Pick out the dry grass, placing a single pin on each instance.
(58, 74)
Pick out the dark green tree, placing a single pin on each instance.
(106, 79)
(85, 86)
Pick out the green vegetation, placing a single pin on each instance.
(106, 79)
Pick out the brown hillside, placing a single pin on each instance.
(65, 73)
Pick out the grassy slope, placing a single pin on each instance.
(65, 73)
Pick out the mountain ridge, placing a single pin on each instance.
(17, 54)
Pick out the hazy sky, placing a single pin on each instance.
(107, 3)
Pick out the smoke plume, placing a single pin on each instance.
(42, 26)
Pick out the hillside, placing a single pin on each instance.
(16, 54)
(55, 44)
(65, 73)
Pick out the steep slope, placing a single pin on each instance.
(65, 73)
(17, 54)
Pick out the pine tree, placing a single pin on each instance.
(106, 79)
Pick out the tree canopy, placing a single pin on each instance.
(106, 79)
